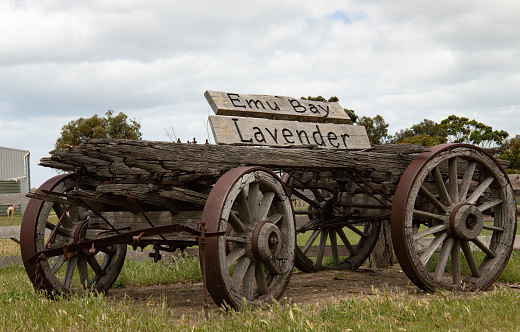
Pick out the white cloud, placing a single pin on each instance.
(405, 60)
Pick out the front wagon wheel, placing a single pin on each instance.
(252, 263)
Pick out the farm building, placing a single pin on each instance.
(14, 174)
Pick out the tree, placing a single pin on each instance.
(425, 140)
(464, 130)
(425, 127)
(377, 128)
(84, 129)
(512, 154)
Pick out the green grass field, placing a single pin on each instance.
(24, 310)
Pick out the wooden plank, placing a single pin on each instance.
(7, 232)
(275, 107)
(515, 181)
(264, 132)
(12, 199)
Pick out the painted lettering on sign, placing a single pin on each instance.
(275, 107)
(249, 131)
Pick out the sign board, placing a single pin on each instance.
(253, 131)
(275, 107)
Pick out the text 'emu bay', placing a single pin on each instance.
(275, 107)
(250, 131)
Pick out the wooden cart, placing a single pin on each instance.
(236, 203)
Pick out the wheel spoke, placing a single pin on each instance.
(480, 190)
(466, 180)
(69, 271)
(83, 272)
(261, 283)
(428, 215)
(239, 273)
(435, 202)
(60, 230)
(235, 222)
(310, 241)
(453, 186)
(235, 239)
(271, 267)
(92, 261)
(108, 250)
(321, 248)
(443, 258)
(253, 200)
(248, 284)
(455, 264)
(265, 205)
(61, 213)
(488, 205)
(483, 247)
(58, 263)
(429, 231)
(308, 200)
(439, 238)
(441, 187)
(243, 208)
(493, 228)
(275, 218)
(357, 231)
(234, 255)
(346, 242)
(466, 249)
(309, 223)
(334, 246)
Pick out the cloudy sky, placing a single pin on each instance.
(153, 60)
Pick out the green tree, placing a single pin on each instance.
(425, 140)
(377, 128)
(425, 127)
(464, 130)
(84, 129)
(512, 154)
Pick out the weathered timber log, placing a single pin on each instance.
(185, 195)
(212, 158)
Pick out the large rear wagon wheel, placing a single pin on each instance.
(253, 262)
(329, 238)
(453, 219)
(81, 272)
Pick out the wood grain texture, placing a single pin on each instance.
(275, 107)
(265, 132)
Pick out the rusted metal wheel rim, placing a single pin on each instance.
(253, 262)
(323, 207)
(92, 272)
(444, 201)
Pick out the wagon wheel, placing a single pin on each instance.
(343, 242)
(84, 271)
(445, 200)
(254, 260)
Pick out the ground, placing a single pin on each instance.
(304, 289)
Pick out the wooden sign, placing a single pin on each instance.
(275, 107)
(251, 131)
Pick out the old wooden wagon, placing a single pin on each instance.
(451, 207)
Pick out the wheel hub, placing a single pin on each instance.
(466, 221)
(266, 241)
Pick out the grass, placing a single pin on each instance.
(23, 310)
